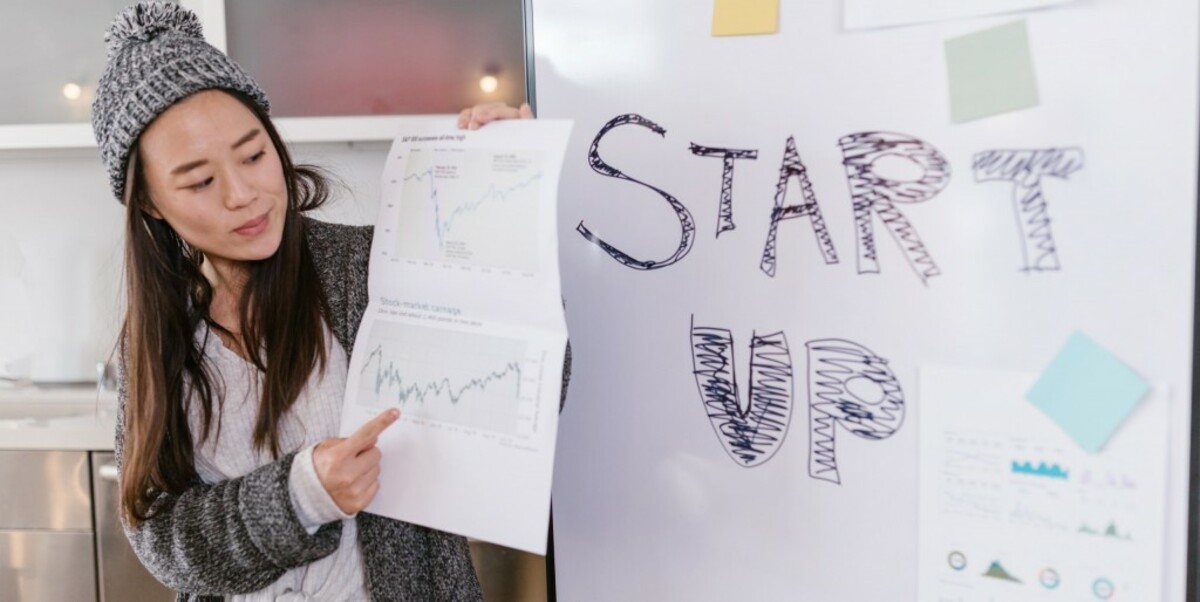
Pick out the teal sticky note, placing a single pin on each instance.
(1087, 391)
(990, 72)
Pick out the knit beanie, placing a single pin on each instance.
(156, 57)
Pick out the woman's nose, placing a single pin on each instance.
(239, 191)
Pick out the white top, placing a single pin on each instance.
(230, 452)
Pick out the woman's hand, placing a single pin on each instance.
(473, 118)
(349, 468)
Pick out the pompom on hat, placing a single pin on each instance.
(156, 56)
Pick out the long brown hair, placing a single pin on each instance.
(281, 311)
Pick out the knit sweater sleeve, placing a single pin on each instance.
(235, 536)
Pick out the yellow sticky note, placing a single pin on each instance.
(745, 17)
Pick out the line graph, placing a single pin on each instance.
(488, 220)
(443, 225)
(471, 380)
(391, 377)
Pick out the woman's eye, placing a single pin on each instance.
(256, 156)
(201, 185)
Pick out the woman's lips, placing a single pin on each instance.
(254, 226)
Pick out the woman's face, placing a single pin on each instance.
(214, 176)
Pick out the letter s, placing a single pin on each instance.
(687, 226)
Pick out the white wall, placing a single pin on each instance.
(60, 251)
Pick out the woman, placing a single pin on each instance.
(234, 347)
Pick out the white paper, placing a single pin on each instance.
(869, 14)
(465, 331)
(1012, 510)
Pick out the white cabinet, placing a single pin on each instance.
(334, 71)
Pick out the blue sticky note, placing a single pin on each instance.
(1087, 391)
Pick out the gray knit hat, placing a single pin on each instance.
(156, 56)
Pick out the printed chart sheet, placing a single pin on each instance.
(1013, 510)
(464, 331)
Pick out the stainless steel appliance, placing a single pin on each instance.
(121, 575)
(60, 538)
(46, 537)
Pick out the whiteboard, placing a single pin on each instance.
(652, 499)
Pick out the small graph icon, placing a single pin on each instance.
(1049, 578)
(997, 571)
(472, 380)
(1110, 531)
(957, 560)
(1052, 471)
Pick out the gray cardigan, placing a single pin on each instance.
(240, 535)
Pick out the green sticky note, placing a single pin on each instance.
(745, 17)
(1087, 391)
(990, 72)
